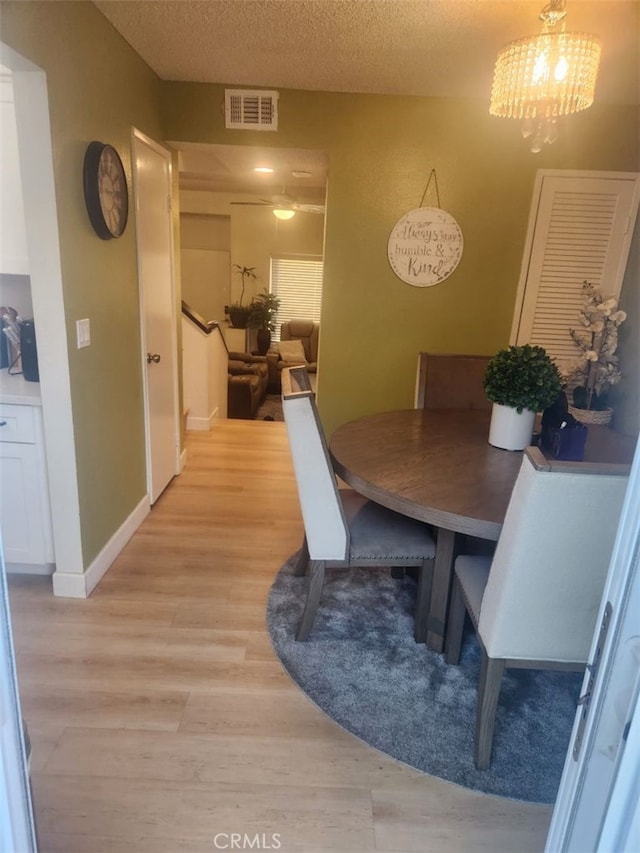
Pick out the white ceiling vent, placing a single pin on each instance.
(251, 109)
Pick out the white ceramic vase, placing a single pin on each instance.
(510, 430)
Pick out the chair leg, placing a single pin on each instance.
(423, 601)
(303, 559)
(455, 625)
(491, 670)
(314, 591)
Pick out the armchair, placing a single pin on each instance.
(247, 379)
(305, 331)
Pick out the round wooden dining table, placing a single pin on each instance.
(438, 467)
(435, 466)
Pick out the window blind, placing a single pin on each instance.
(297, 282)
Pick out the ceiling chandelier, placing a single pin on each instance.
(541, 77)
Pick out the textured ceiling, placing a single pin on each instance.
(412, 47)
(443, 48)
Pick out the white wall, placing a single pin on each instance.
(204, 376)
(14, 257)
(256, 235)
(205, 241)
(206, 281)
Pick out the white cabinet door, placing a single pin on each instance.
(21, 511)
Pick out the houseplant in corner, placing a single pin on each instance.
(263, 316)
(519, 381)
(598, 367)
(238, 312)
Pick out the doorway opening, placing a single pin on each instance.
(254, 208)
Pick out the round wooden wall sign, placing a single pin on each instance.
(425, 246)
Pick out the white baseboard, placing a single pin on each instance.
(194, 423)
(69, 585)
(81, 585)
(202, 423)
(182, 460)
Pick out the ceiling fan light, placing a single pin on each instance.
(283, 213)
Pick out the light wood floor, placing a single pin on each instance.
(160, 716)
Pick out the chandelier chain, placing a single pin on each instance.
(553, 12)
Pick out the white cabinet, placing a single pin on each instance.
(25, 518)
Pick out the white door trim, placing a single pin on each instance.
(41, 220)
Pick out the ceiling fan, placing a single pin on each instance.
(283, 202)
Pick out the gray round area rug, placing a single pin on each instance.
(362, 667)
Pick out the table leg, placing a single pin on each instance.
(442, 576)
(302, 563)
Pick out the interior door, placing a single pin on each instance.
(17, 828)
(152, 187)
(598, 803)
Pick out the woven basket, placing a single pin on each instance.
(591, 416)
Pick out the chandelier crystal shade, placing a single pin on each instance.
(539, 78)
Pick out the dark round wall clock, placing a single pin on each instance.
(105, 190)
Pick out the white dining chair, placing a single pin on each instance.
(342, 528)
(534, 604)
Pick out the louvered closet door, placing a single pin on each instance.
(580, 229)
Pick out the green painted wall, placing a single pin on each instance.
(625, 397)
(98, 88)
(381, 151)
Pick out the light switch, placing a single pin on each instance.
(83, 333)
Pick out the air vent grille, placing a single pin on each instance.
(251, 109)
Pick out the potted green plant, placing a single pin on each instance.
(597, 368)
(519, 381)
(263, 318)
(239, 313)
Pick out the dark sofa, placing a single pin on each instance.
(247, 380)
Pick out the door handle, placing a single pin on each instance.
(155, 357)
